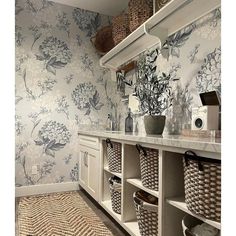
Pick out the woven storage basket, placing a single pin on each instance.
(188, 222)
(202, 182)
(114, 156)
(139, 12)
(115, 190)
(120, 27)
(103, 40)
(160, 3)
(149, 162)
(147, 216)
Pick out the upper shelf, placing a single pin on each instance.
(174, 16)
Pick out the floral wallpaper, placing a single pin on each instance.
(59, 88)
(192, 58)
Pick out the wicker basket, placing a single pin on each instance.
(188, 222)
(115, 190)
(160, 3)
(103, 40)
(202, 181)
(149, 162)
(120, 27)
(139, 12)
(114, 156)
(147, 216)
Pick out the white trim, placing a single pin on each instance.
(45, 188)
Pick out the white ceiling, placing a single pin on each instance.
(106, 7)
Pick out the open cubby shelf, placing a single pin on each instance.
(107, 205)
(138, 183)
(179, 203)
(172, 208)
(113, 173)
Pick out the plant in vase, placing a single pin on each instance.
(153, 91)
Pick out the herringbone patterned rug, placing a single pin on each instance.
(58, 214)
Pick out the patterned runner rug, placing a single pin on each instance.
(58, 214)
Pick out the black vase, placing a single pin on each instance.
(129, 123)
(154, 124)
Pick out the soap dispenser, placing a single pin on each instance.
(129, 122)
(109, 122)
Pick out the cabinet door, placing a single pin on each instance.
(93, 173)
(83, 166)
(89, 171)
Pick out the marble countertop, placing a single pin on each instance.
(203, 144)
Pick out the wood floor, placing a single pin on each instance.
(100, 212)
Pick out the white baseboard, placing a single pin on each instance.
(45, 188)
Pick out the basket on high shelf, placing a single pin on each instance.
(149, 163)
(146, 212)
(113, 156)
(139, 11)
(159, 4)
(103, 40)
(202, 182)
(120, 27)
(115, 191)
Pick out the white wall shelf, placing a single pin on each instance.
(138, 183)
(180, 204)
(113, 173)
(172, 17)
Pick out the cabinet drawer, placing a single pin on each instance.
(92, 142)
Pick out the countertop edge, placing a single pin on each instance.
(171, 140)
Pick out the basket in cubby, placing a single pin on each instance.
(149, 163)
(113, 156)
(103, 40)
(115, 191)
(120, 27)
(139, 11)
(202, 182)
(146, 207)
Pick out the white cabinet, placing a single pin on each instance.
(172, 206)
(89, 169)
(94, 177)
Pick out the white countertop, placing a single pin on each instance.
(203, 144)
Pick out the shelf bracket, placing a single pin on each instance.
(108, 66)
(160, 33)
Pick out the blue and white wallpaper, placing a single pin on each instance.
(59, 87)
(192, 58)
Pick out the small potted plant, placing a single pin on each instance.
(153, 90)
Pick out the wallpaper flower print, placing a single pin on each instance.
(52, 136)
(38, 30)
(87, 21)
(29, 179)
(63, 23)
(176, 41)
(47, 52)
(74, 173)
(86, 96)
(62, 106)
(18, 36)
(208, 78)
(55, 53)
(37, 6)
